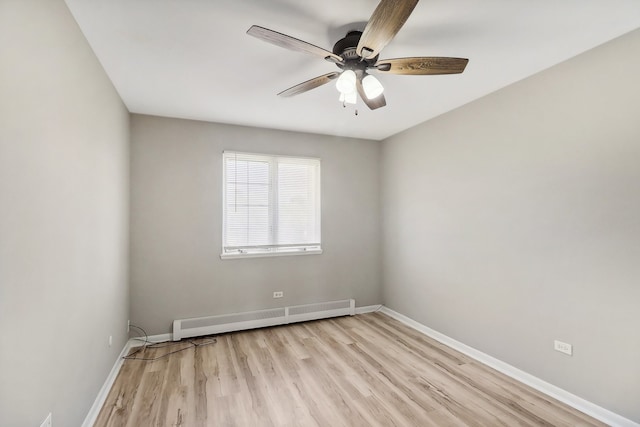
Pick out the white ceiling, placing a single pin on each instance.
(192, 59)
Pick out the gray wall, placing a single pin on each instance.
(515, 220)
(176, 223)
(63, 217)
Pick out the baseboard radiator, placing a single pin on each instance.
(199, 326)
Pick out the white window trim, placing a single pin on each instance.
(270, 250)
(297, 252)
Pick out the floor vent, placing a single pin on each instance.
(186, 328)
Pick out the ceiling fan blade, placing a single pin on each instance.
(291, 43)
(375, 103)
(421, 65)
(309, 84)
(384, 24)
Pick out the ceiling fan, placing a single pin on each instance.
(357, 54)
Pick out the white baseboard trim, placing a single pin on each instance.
(551, 390)
(368, 309)
(91, 417)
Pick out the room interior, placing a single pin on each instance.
(498, 207)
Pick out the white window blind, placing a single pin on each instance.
(271, 205)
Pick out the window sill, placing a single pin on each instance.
(271, 254)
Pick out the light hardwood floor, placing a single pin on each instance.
(365, 370)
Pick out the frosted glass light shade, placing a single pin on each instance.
(348, 98)
(346, 83)
(372, 87)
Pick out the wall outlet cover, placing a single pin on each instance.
(278, 294)
(563, 347)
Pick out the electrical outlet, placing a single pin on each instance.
(128, 326)
(47, 421)
(278, 294)
(110, 340)
(563, 347)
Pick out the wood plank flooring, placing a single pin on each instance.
(365, 370)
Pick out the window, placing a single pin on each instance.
(271, 205)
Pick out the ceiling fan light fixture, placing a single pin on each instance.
(358, 52)
(372, 87)
(346, 83)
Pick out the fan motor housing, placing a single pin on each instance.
(346, 48)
